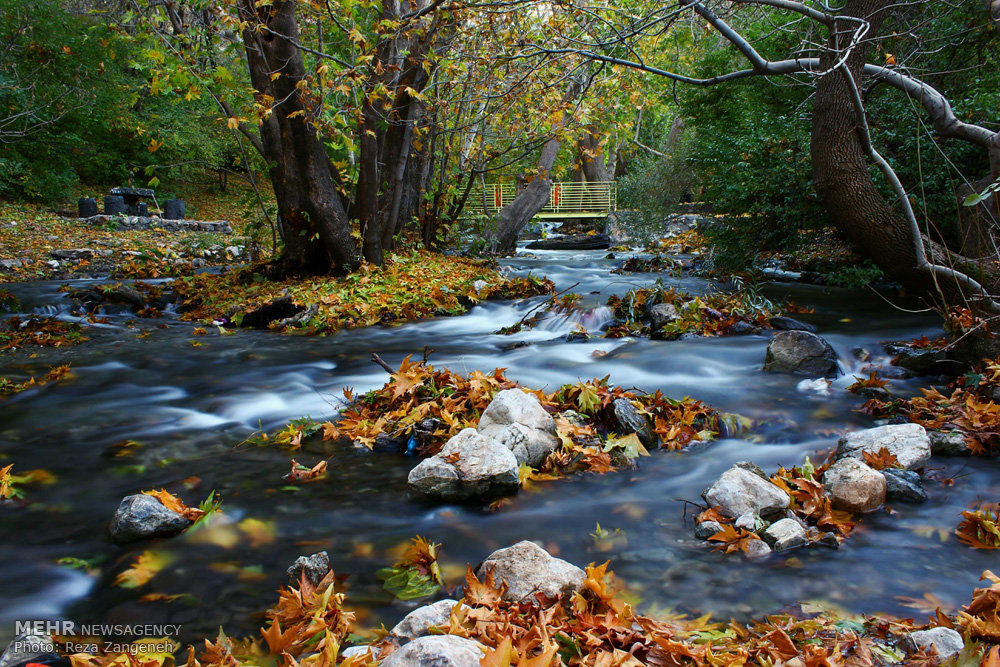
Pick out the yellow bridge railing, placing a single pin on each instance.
(567, 199)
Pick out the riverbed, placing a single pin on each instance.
(190, 401)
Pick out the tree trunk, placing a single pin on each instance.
(314, 223)
(842, 169)
(529, 201)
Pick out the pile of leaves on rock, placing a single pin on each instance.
(309, 625)
(666, 313)
(810, 506)
(424, 407)
(410, 285)
(967, 410)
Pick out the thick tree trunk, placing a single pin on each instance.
(594, 158)
(529, 201)
(842, 169)
(315, 227)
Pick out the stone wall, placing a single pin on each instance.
(129, 222)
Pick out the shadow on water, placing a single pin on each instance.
(190, 407)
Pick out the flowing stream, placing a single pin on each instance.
(190, 407)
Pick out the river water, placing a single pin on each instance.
(190, 407)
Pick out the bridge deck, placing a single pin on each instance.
(567, 199)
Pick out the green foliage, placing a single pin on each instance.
(855, 276)
(76, 106)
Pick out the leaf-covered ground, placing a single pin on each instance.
(309, 626)
(410, 285)
(30, 232)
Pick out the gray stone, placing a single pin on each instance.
(746, 522)
(800, 353)
(829, 540)
(782, 323)
(86, 207)
(948, 443)
(516, 419)
(52, 264)
(854, 486)
(742, 328)
(470, 466)
(946, 641)
(27, 648)
(420, 620)
(114, 205)
(73, 253)
(757, 550)
(662, 313)
(173, 209)
(528, 569)
(706, 529)
(480, 285)
(909, 443)
(630, 420)
(315, 567)
(904, 486)
(741, 490)
(141, 517)
(10, 264)
(436, 651)
(784, 535)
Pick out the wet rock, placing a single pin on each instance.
(142, 517)
(946, 641)
(575, 242)
(742, 328)
(52, 264)
(279, 309)
(529, 569)
(470, 466)
(10, 264)
(909, 443)
(480, 285)
(948, 443)
(29, 648)
(919, 361)
(785, 535)
(829, 540)
(436, 651)
(73, 253)
(315, 567)
(662, 313)
(878, 393)
(630, 420)
(420, 620)
(801, 353)
(757, 550)
(517, 420)
(782, 323)
(706, 529)
(744, 489)
(903, 486)
(854, 486)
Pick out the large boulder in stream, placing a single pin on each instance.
(142, 517)
(744, 489)
(437, 651)
(909, 443)
(528, 569)
(470, 466)
(517, 420)
(800, 353)
(576, 242)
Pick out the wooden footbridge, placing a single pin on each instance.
(567, 200)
